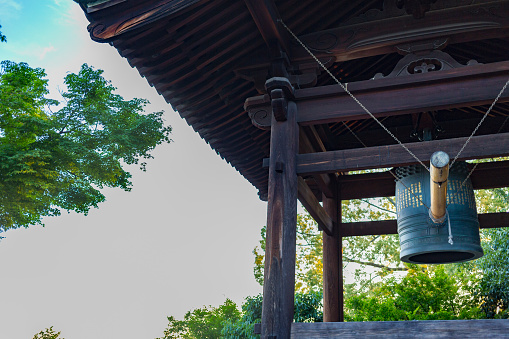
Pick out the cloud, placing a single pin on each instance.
(66, 12)
(32, 50)
(9, 8)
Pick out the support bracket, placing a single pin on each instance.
(280, 90)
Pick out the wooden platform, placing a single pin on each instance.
(404, 329)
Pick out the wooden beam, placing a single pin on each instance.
(375, 37)
(333, 263)
(460, 87)
(371, 185)
(484, 146)
(280, 250)
(353, 229)
(425, 329)
(113, 26)
(309, 201)
(265, 16)
(323, 180)
(388, 35)
(467, 86)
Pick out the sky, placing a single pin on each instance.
(181, 239)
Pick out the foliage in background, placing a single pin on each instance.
(471, 290)
(379, 252)
(48, 333)
(202, 323)
(60, 160)
(425, 293)
(227, 322)
(493, 286)
(3, 38)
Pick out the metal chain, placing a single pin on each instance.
(351, 95)
(364, 108)
(480, 122)
(475, 130)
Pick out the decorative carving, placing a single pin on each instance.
(419, 46)
(260, 117)
(415, 7)
(324, 42)
(105, 31)
(396, 8)
(434, 61)
(329, 40)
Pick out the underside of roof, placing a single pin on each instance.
(207, 57)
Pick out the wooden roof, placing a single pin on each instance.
(207, 57)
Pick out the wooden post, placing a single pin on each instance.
(279, 275)
(333, 262)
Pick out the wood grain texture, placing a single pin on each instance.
(279, 275)
(333, 263)
(484, 146)
(371, 185)
(310, 202)
(487, 220)
(478, 21)
(404, 329)
(461, 87)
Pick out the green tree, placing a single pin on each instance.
(53, 161)
(425, 293)
(493, 286)
(48, 333)
(378, 252)
(3, 38)
(202, 323)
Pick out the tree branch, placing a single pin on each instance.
(368, 263)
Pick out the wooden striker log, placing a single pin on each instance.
(439, 171)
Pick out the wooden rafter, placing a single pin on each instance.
(388, 35)
(265, 15)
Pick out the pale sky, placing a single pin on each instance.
(180, 240)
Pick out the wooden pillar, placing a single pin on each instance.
(333, 262)
(279, 276)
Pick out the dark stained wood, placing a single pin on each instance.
(323, 181)
(386, 35)
(353, 229)
(309, 201)
(369, 185)
(483, 328)
(460, 87)
(480, 21)
(265, 15)
(279, 275)
(484, 146)
(333, 263)
(359, 186)
(109, 29)
(494, 220)
(466, 86)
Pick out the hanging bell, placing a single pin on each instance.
(431, 238)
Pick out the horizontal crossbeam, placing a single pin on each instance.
(371, 185)
(488, 220)
(460, 87)
(484, 146)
